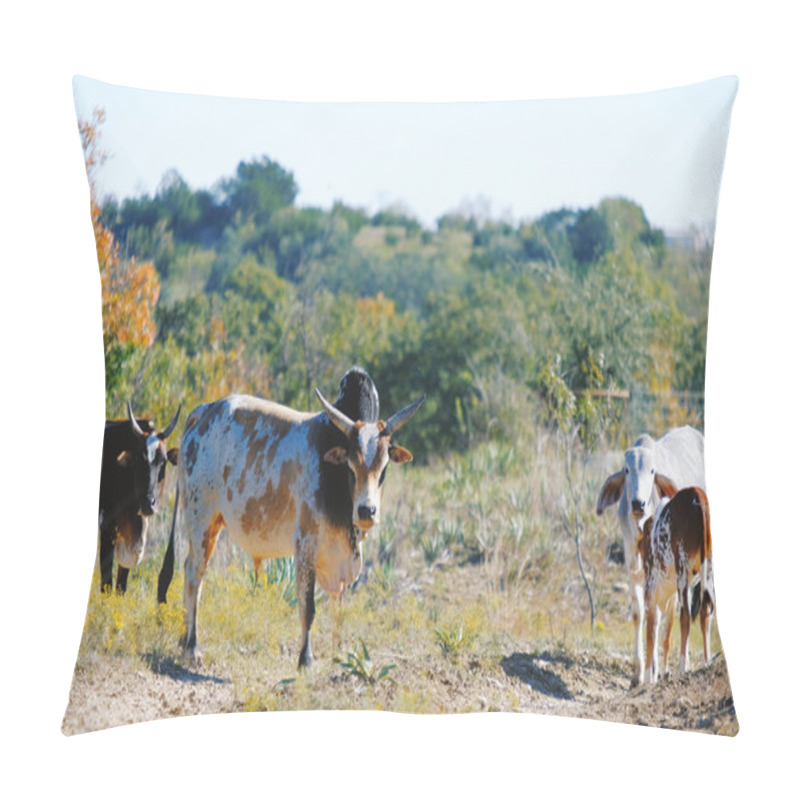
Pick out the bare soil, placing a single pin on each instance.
(111, 692)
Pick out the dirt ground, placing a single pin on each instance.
(115, 692)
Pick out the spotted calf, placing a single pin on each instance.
(675, 547)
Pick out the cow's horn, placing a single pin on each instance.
(168, 430)
(396, 421)
(341, 421)
(134, 423)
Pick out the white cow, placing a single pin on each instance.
(652, 470)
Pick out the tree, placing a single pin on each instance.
(259, 189)
(589, 236)
(581, 421)
(129, 288)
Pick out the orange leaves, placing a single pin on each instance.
(92, 155)
(130, 289)
(130, 292)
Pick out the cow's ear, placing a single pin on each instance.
(172, 455)
(611, 491)
(666, 488)
(125, 459)
(399, 454)
(336, 455)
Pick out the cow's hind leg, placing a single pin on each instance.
(707, 610)
(685, 602)
(669, 619)
(200, 552)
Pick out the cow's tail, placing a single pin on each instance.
(704, 591)
(168, 567)
(706, 568)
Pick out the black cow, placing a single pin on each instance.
(131, 484)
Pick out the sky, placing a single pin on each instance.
(513, 160)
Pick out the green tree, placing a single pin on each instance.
(589, 236)
(259, 189)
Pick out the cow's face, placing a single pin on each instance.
(640, 475)
(366, 456)
(638, 478)
(147, 459)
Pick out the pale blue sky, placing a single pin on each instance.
(662, 149)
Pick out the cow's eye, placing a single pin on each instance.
(626, 470)
(652, 471)
(382, 478)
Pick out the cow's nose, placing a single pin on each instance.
(637, 505)
(366, 512)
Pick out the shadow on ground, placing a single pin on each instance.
(530, 669)
(162, 665)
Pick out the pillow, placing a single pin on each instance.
(497, 309)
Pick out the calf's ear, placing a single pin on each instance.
(399, 454)
(125, 459)
(172, 455)
(611, 491)
(665, 487)
(336, 455)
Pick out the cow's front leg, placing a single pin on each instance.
(107, 535)
(638, 612)
(306, 579)
(651, 629)
(669, 619)
(193, 579)
(200, 552)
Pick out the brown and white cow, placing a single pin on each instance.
(675, 546)
(284, 482)
(132, 475)
(651, 469)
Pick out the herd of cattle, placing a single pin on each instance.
(288, 483)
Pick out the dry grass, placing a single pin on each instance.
(470, 585)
